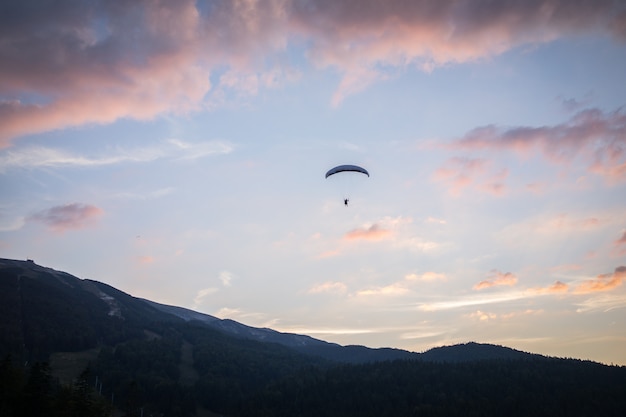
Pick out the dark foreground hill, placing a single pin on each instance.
(81, 347)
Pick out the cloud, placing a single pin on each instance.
(243, 316)
(604, 302)
(416, 244)
(603, 282)
(482, 316)
(598, 137)
(226, 277)
(63, 65)
(198, 300)
(426, 276)
(487, 316)
(393, 230)
(68, 216)
(402, 287)
(458, 173)
(621, 240)
(227, 312)
(44, 157)
(366, 43)
(197, 150)
(497, 279)
(557, 288)
(331, 287)
(373, 232)
(425, 334)
(462, 302)
(380, 230)
(395, 289)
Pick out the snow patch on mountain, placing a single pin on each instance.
(114, 307)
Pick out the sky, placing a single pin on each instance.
(176, 150)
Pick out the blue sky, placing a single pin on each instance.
(177, 151)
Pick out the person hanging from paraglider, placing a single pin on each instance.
(349, 169)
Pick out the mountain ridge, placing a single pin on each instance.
(133, 309)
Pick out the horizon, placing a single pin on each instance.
(178, 152)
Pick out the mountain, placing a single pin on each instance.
(472, 351)
(63, 312)
(300, 343)
(82, 345)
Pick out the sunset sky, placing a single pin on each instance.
(176, 150)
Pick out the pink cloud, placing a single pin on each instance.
(63, 65)
(621, 240)
(66, 217)
(497, 279)
(459, 173)
(374, 232)
(395, 289)
(557, 288)
(603, 282)
(598, 137)
(104, 61)
(363, 41)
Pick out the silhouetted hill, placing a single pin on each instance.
(472, 351)
(45, 311)
(60, 312)
(132, 355)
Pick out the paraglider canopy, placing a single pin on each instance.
(346, 168)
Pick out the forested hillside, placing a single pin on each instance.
(73, 347)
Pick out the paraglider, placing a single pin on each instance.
(346, 170)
